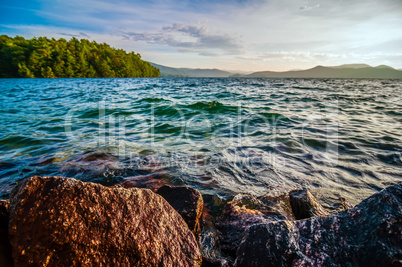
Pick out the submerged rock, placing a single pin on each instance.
(65, 222)
(370, 234)
(141, 181)
(5, 247)
(91, 164)
(186, 201)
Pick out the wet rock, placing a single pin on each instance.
(187, 201)
(58, 221)
(344, 204)
(370, 234)
(209, 237)
(244, 211)
(4, 214)
(141, 181)
(5, 247)
(213, 204)
(304, 205)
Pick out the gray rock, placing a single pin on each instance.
(370, 234)
(58, 221)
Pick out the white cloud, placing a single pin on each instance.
(254, 34)
(189, 38)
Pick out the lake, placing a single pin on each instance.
(223, 136)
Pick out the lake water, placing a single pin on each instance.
(222, 136)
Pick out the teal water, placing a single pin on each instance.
(223, 136)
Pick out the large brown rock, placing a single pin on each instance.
(58, 221)
(370, 234)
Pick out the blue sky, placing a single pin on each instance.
(246, 35)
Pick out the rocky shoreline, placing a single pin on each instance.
(58, 221)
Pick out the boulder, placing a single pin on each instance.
(5, 247)
(186, 201)
(246, 210)
(58, 221)
(370, 234)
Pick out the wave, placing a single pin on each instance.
(213, 107)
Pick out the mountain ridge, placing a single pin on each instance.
(166, 71)
(379, 72)
(346, 71)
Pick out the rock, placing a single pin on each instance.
(187, 201)
(141, 181)
(370, 234)
(5, 247)
(344, 204)
(244, 211)
(209, 237)
(57, 221)
(304, 205)
(4, 214)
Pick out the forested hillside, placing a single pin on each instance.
(50, 58)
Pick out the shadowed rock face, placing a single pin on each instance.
(186, 201)
(5, 247)
(370, 234)
(246, 210)
(304, 205)
(65, 222)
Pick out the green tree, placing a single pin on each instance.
(43, 57)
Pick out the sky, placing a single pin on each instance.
(236, 35)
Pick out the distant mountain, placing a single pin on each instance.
(360, 71)
(351, 66)
(188, 72)
(345, 71)
(384, 67)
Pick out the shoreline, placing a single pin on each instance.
(230, 238)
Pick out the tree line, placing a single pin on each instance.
(50, 58)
